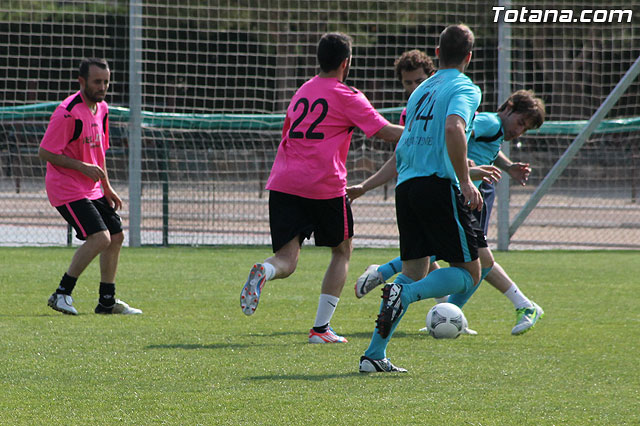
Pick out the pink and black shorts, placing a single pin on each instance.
(91, 216)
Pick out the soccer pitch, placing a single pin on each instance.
(193, 358)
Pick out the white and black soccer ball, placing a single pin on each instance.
(445, 321)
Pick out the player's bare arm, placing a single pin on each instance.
(109, 193)
(92, 171)
(390, 133)
(385, 174)
(517, 171)
(456, 141)
(489, 174)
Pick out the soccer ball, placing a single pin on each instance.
(445, 321)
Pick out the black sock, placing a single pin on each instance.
(107, 294)
(321, 329)
(67, 283)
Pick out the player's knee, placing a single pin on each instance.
(486, 263)
(101, 240)
(286, 263)
(343, 250)
(117, 239)
(486, 258)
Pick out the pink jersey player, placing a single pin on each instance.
(78, 186)
(75, 132)
(316, 136)
(307, 185)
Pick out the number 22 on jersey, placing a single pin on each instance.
(303, 103)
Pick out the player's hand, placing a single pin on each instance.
(93, 172)
(489, 174)
(520, 172)
(355, 191)
(113, 198)
(472, 197)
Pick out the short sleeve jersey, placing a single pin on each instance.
(486, 139)
(76, 132)
(422, 149)
(311, 158)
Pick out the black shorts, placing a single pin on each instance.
(91, 216)
(330, 221)
(488, 193)
(433, 220)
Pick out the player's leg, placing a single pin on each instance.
(375, 275)
(109, 257)
(332, 285)
(480, 226)
(425, 227)
(107, 301)
(289, 225)
(333, 228)
(432, 267)
(89, 226)
(398, 295)
(375, 357)
(92, 247)
(391, 268)
(415, 264)
(394, 267)
(527, 312)
(486, 265)
(284, 261)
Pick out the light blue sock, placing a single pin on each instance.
(390, 268)
(378, 346)
(394, 266)
(460, 299)
(441, 282)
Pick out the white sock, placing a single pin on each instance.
(269, 270)
(518, 298)
(326, 307)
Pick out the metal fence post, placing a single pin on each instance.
(135, 122)
(504, 90)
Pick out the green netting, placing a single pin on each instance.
(275, 121)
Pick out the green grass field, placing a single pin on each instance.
(193, 358)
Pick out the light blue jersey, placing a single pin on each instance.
(422, 150)
(484, 144)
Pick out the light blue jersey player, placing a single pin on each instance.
(522, 111)
(434, 194)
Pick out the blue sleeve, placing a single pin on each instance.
(464, 103)
(486, 125)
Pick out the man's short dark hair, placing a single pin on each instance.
(413, 60)
(83, 70)
(526, 103)
(456, 41)
(333, 48)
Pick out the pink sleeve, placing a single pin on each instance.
(59, 132)
(360, 111)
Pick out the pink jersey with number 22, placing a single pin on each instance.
(311, 158)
